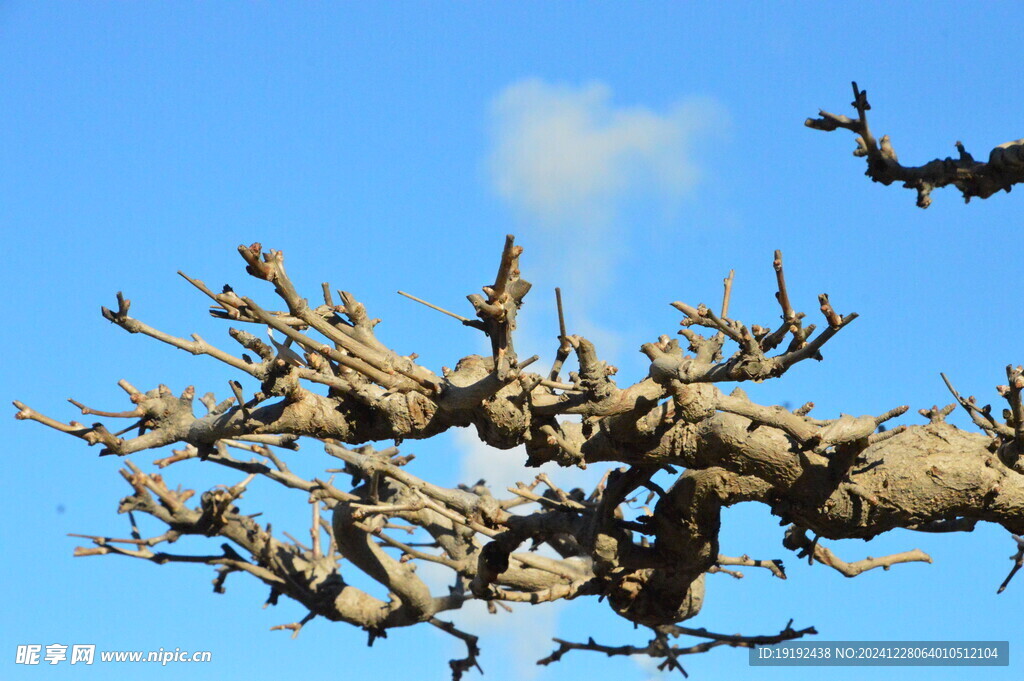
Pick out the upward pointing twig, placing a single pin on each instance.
(505, 265)
(788, 315)
(790, 318)
(561, 315)
(498, 311)
(564, 347)
(1015, 383)
(727, 294)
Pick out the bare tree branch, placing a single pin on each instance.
(639, 544)
(1003, 169)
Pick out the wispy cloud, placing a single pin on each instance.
(568, 159)
(566, 155)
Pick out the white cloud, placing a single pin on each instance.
(568, 159)
(566, 154)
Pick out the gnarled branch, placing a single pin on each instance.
(1003, 169)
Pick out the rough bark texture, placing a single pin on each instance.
(332, 380)
(1003, 169)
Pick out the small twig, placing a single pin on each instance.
(788, 315)
(460, 666)
(774, 566)
(727, 294)
(797, 540)
(1018, 563)
(315, 529)
(465, 320)
(107, 414)
(294, 627)
(1013, 392)
(982, 417)
(564, 346)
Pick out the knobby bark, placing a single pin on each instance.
(330, 379)
(1003, 169)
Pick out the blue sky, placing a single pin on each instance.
(638, 152)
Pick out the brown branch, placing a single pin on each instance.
(797, 540)
(774, 565)
(982, 416)
(657, 646)
(1013, 393)
(1004, 168)
(1018, 563)
(837, 478)
(196, 346)
(463, 665)
(564, 346)
(751, 362)
(294, 627)
(498, 311)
